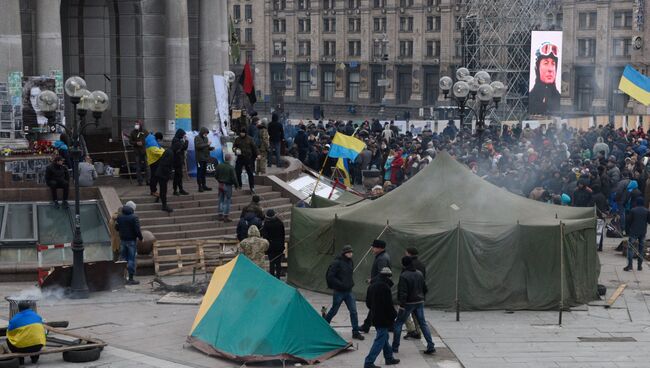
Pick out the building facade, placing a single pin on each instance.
(364, 58)
(149, 56)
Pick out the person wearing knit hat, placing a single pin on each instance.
(339, 278)
(382, 259)
(128, 225)
(379, 301)
(273, 231)
(411, 290)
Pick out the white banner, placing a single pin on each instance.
(221, 94)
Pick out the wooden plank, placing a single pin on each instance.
(615, 296)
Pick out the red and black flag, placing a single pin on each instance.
(246, 80)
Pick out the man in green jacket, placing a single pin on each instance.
(247, 153)
(202, 150)
(227, 178)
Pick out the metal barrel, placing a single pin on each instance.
(13, 305)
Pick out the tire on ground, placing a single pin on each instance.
(82, 356)
(9, 363)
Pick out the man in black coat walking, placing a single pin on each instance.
(382, 259)
(179, 146)
(637, 221)
(379, 301)
(412, 328)
(128, 226)
(340, 279)
(57, 176)
(276, 136)
(410, 294)
(273, 231)
(163, 174)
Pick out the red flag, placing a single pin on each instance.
(246, 80)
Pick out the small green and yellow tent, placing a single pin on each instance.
(248, 315)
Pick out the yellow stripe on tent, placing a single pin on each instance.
(634, 91)
(218, 281)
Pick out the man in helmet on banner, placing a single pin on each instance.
(544, 97)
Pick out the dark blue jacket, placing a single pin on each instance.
(638, 221)
(245, 222)
(128, 225)
(301, 140)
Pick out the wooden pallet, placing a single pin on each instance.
(175, 257)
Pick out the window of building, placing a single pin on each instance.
(329, 25)
(304, 4)
(279, 4)
(623, 19)
(329, 48)
(354, 25)
(406, 24)
(458, 48)
(328, 85)
(238, 33)
(433, 24)
(248, 11)
(354, 4)
(279, 48)
(303, 83)
(304, 25)
(278, 73)
(587, 47)
(585, 92)
(248, 35)
(406, 48)
(354, 48)
(433, 48)
(304, 48)
(587, 20)
(405, 3)
(380, 50)
(559, 19)
(404, 85)
(378, 4)
(353, 86)
(249, 57)
(622, 47)
(236, 11)
(433, 2)
(379, 24)
(279, 25)
(328, 4)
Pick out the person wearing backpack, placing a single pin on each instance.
(339, 278)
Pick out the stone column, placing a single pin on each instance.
(49, 47)
(11, 46)
(178, 89)
(213, 55)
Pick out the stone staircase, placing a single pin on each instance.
(195, 215)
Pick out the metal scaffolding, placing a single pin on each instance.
(496, 38)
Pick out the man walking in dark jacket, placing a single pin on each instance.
(410, 294)
(202, 150)
(273, 231)
(302, 142)
(276, 136)
(57, 176)
(340, 279)
(382, 259)
(227, 179)
(136, 138)
(128, 226)
(638, 220)
(179, 146)
(246, 152)
(379, 301)
(412, 328)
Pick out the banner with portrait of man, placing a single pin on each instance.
(545, 73)
(33, 117)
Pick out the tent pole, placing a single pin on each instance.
(369, 248)
(561, 272)
(457, 266)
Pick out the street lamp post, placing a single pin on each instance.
(467, 87)
(82, 100)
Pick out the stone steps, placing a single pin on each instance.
(157, 213)
(187, 202)
(208, 231)
(195, 195)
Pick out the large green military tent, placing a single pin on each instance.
(481, 244)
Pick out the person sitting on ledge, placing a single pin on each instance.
(57, 176)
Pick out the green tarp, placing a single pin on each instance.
(491, 248)
(248, 315)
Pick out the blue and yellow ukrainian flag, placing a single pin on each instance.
(153, 149)
(344, 146)
(26, 330)
(636, 85)
(342, 165)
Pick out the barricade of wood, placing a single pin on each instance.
(178, 257)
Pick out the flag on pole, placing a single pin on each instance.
(246, 80)
(342, 165)
(344, 146)
(636, 85)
